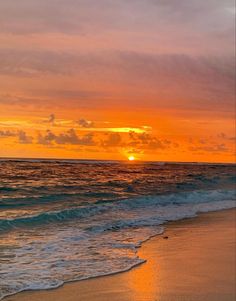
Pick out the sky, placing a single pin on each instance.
(110, 79)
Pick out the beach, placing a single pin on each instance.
(117, 150)
(193, 260)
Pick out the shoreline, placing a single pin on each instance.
(170, 230)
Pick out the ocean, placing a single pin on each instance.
(66, 220)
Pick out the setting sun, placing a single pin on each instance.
(117, 118)
(131, 158)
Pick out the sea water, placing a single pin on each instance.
(70, 220)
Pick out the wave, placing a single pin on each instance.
(59, 197)
(105, 191)
(172, 215)
(104, 242)
(53, 284)
(127, 205)
(49, 217)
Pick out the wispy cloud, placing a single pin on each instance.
(216, 148)
(166, 81)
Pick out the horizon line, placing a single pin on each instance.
(109, 160)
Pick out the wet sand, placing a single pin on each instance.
(195, 263)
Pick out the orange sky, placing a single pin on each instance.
(108, 79)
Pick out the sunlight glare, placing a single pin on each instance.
(131, 158)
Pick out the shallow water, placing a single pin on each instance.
(67, 220)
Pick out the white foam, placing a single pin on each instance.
(97, 245)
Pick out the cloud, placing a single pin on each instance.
(46, 139)
(85, 123)
(66, 16)
(158, 56)
(112, 140)
(51, 119)
(65, 94)
(226, 137)
(164, 80)
(7, 134)
(215, 148)
(69, 137)
(92, 17)
(24, 138)
(137, 142)
(149, 142)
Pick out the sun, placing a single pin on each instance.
(131, 158)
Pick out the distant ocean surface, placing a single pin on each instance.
(69, 220)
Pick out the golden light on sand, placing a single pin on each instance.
(131, 158)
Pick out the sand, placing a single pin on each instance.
(195, 263)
